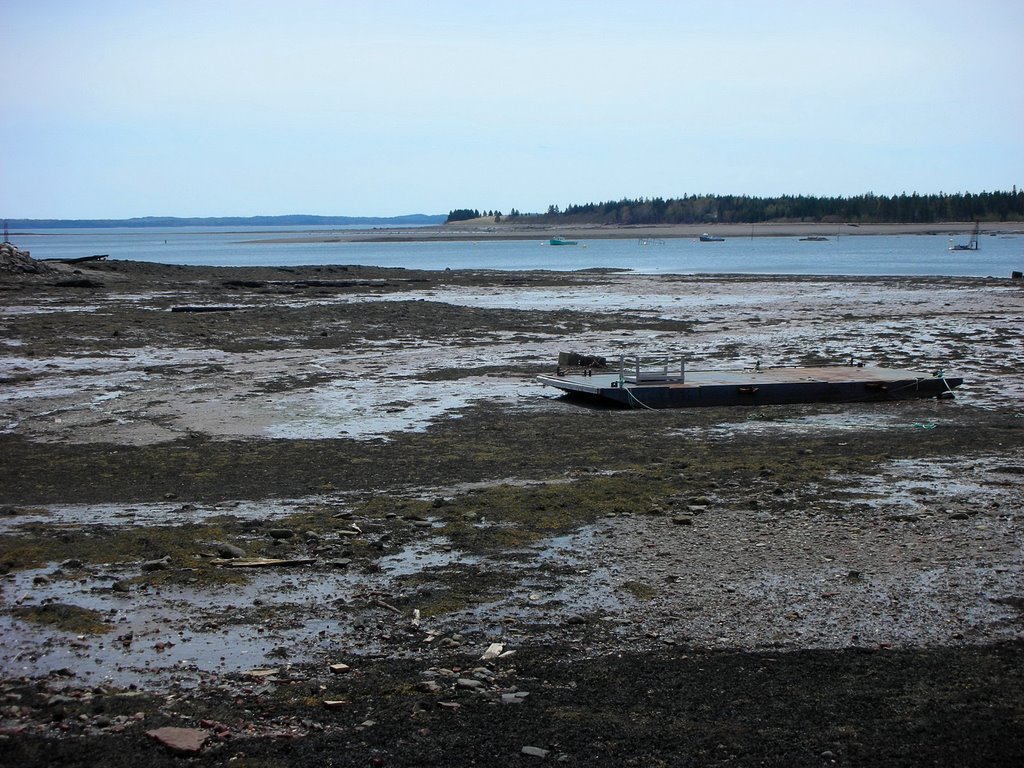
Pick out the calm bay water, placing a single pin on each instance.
(998, 256)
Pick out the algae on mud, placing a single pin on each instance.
(67, 618)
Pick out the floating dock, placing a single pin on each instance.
(637, 386)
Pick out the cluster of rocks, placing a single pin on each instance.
(55, 708)
(14, 261)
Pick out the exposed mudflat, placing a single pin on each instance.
(790, 585)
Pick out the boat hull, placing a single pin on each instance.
(769, 386)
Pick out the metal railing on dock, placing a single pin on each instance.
(636, 370)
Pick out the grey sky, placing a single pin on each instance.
(117, 109)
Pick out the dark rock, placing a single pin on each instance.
(1009, 469)
(78, 282)
(229, 551)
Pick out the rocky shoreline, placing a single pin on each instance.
(333, 521)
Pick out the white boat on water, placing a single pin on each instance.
(971, 245)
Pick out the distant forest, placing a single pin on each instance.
(737, 209)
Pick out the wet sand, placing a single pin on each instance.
(792, 585)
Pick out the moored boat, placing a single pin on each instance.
(706, 238)
(970, 245)
(561, 241)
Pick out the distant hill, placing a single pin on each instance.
(293, 220)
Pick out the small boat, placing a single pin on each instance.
(561, 241)
(706, 238)
(971, 245)
(813, 239)
(663, 384)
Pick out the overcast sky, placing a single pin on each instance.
(219, 107)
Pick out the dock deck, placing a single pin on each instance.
(754, 386)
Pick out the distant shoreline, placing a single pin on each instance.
(477, 230)
(175, 222)
(488, 229)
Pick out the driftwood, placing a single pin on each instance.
(262, 562)
(204, 308)
(80, 259)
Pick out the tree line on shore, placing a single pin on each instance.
(743, 209)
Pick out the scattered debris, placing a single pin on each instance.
(262, 672)
(494, 650)
(388, 606)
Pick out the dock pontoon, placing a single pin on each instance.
(662, 383)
